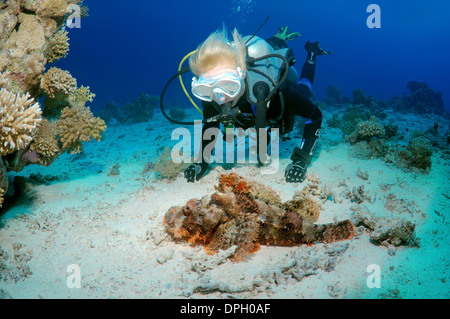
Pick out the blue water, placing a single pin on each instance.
(125, 49)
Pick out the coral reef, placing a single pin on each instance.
(165, 167)
(112, 111)
(358, 195)
(140, 109)
(57, 47)
(422, 98)
(52, 8)
(77, 125)
(237, 214)
(15, 265)
(23, 53)
(58, 86)
(349, 119)
(366, 130)
(81, 96)
(32, 35)
(305, 203)
(390, 130)
(334, 96)
(58, 82)
(417, 154)
(19, 117)
(45, 142)
(400, 234)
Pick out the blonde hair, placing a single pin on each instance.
(216, 49)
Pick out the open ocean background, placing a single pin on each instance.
(126, 49)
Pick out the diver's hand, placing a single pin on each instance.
(194, 172)
(295, 172)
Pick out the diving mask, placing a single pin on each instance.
(218, 87)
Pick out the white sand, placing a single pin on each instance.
(111, 226)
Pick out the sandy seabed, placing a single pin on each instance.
(111, 227)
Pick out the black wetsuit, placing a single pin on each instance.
(297, 102)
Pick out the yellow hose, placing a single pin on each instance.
(182, 84)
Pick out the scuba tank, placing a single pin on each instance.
(267, 69)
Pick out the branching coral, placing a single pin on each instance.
(57, 46)
(81, 96)
(19, 117)
(45, 142)
(370, 128)
(29, 38)
(58, 81)
(367, 130)
(166, 167)
(234, 215)
(76, 126)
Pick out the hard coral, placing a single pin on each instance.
(417, 154)
(57, 46)
(370, 128)
(366, 130)
(77, 125)
(235, 215)
(81, 96)
(45, 142)
(52, 8)
(57, 81)
(19, 117)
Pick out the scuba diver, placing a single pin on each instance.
(237, 91)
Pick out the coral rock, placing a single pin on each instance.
(77, 125)
(234, 215)
(81, 96)
(52, 8)
(57, 47)
(45, 142)
(57, 81)
(29, 38)
(19, 117)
